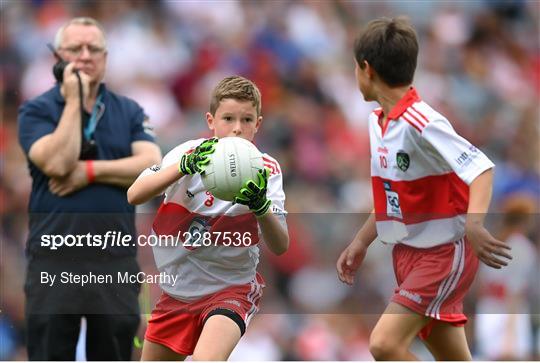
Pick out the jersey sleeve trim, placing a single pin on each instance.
(415, 118)
(271, 164)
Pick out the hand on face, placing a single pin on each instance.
(84, 45)
(70, 86)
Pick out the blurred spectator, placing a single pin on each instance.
(85, 145)
(503, 328)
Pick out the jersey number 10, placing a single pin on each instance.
(383, 162)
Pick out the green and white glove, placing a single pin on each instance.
(196, 161)
(253, 194)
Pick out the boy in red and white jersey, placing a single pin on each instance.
(431, 191)
(205, 310)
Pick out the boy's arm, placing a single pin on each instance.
(254, 195)
(149, 186)
(352, 257)
(486, 247)
(476, 170)
(274, 234)
(153, 181)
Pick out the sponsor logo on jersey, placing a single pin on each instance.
(466, 158)
(462, 158)
(155, 168)
(189, 194)
(403, 160)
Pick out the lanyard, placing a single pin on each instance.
(97, 112)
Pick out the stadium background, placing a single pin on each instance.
(479, 65)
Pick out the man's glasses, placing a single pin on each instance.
(76, 50)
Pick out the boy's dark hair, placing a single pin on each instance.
(238, 88)
(389, 46)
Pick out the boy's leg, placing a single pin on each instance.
(153, 351)
(219, 336)
(448, 342)
(394, 333)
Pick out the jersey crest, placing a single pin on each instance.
(403, 161)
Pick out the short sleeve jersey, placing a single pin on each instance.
(229, 254)
(121, 122)
(421, 171)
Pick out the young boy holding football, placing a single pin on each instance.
(431, 191)
(218, 290)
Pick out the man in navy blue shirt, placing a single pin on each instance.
(78, 196)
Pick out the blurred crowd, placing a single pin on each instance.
(479, 65)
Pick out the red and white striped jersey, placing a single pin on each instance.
(229, 254)
(421, 171)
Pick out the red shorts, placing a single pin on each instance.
(178, 325)
(433, 281)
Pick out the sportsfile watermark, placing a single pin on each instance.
(177, 253)
(190, 240)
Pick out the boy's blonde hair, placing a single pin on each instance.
(237, 88)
